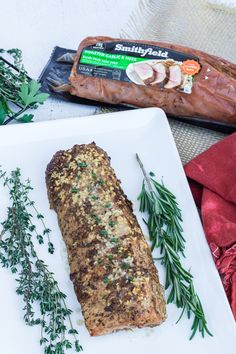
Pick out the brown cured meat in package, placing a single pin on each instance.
(212, 96)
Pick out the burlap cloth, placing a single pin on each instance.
(209, 25)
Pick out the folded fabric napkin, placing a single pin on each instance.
(212, 179)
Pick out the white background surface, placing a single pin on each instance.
(31, 147)
(37, 26)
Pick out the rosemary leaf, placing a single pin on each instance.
(166, 233)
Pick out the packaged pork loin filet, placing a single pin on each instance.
(184, 82)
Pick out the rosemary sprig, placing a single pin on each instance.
(36, 284)
(18, 93)
(166, 233)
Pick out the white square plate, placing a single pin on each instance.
(122, 134)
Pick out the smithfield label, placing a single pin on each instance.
(143, 52)
(140, 64)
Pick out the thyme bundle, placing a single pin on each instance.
(166, 233)
(35, 283)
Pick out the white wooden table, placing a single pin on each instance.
(36, 26)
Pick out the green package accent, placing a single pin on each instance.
(118, 61)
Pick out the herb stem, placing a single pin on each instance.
(166, 233)
(17, 88)
(36, 284)
(144, 173)
(15, 115)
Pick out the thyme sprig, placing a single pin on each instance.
(36, 284)
(166, 233)
(18, 93)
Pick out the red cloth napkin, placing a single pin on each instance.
(212, 178)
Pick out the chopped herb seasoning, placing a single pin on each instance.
(94, 197)
(103, 232)
(82, 164)
(79, 177)
(74, 189)
(125, 265)
(106, 280)
(107, 205)
(101, 181)
(94, 175)
(99, 261)
(111, 223)
(96, 218)
(114, 240)
(110, 257)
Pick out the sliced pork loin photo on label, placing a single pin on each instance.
(159, 73)
(175, 77)
(203, 86)
(111, 265)
(145, 72)
(153, 73)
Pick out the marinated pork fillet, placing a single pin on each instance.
(213, 94)
(111, 266)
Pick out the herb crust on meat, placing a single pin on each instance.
(111, 265)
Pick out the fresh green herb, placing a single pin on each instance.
(96, 218)
(94, 197)
(110, 257)
(35, 283)
(79, 177)
(101, 181)
(111, 223)
(107, 205)
(18, 93)
(166, 233)
(94, 175)
(99, 261)
(82, 164)
(106, 280)
(74, 189)
(29, 93)
(125, 265)
(114, 240)
(103, 232)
